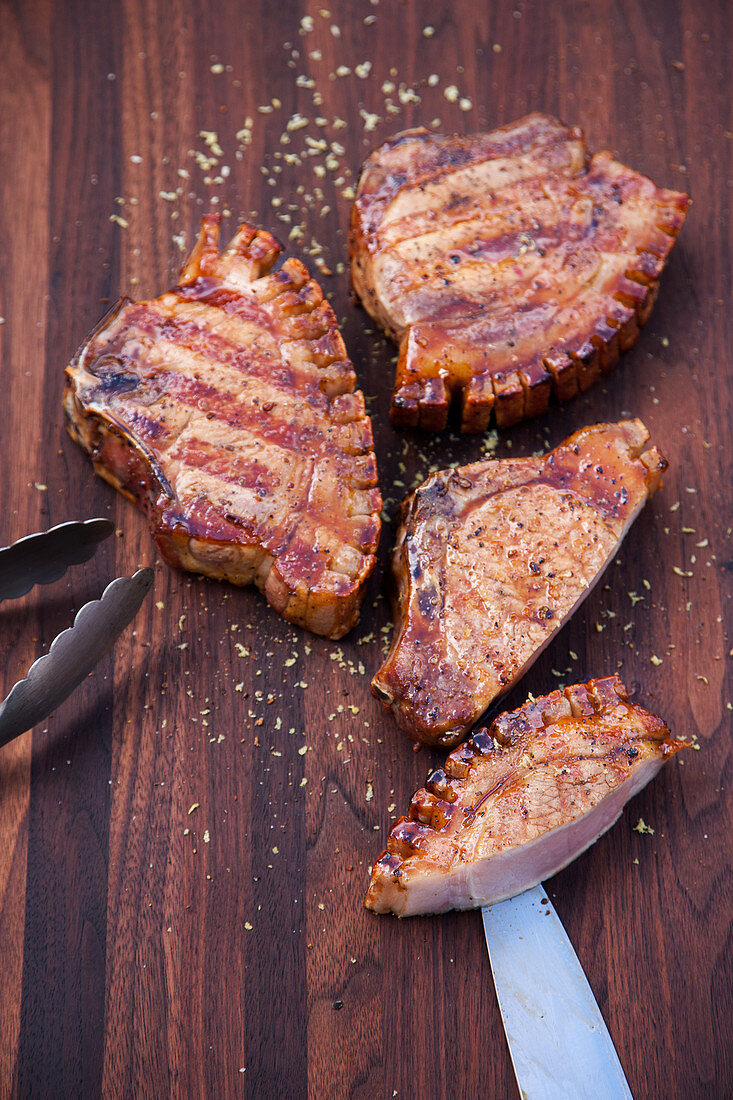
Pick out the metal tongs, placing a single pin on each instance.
(40, 559)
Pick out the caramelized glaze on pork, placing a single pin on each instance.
(519, 801)
(491, 559)
(507, 265)
(227, 411)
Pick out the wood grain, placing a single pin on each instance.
(180, 887)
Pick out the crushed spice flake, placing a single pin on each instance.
(296, 122)
(642, 827)
(371, 121)
(407, 95)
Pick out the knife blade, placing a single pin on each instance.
(73, 654)
(558, 1041)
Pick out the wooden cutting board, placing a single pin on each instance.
(184, 846)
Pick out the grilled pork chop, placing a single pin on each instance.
(226, 410)
(506, 265)
(520, 800)
(492, 558)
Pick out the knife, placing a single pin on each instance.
(558, 1041)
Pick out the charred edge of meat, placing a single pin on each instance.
(434, 508)
(304, 318)
(430, 398)
(506, 398)
(433, 809)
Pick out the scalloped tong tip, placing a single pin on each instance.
(40, 559)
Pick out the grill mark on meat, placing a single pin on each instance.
(226, 410)
(291, 419)
(246, 427)
(433, 156)
(306, 434)
(196, 454)
(148, 330)
(523, 210)
(262, 418)
(448, 261)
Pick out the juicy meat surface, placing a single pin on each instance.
(490, 559)
(521, 800)
(507, 265)
(226, 409)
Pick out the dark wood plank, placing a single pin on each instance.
(24, 236)
(62, 998)
(181, 887)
